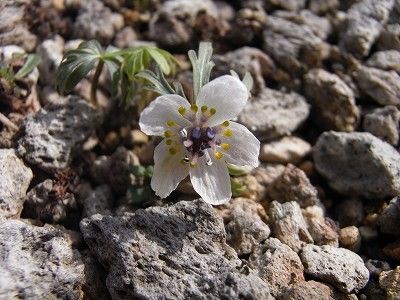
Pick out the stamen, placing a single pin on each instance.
(172, 151)
(182, 110)
(226, 124)
(168, 133)
(228, 133)
(187, 143)
(171, 123)
(204, 108)
(212, 111)
(208, 159)
(168, 142)
(210, 133)
(194, 108)
(196, 133)
(218, 155)
(225, 146)
(183, 133)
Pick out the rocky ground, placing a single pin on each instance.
(318, 219)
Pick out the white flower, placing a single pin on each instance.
(200, 140)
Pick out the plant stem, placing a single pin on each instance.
(7, 122)
(95, 82)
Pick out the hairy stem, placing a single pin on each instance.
(7, 122)
(95, 82)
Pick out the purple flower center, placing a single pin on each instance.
(199, 139)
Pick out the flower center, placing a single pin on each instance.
(199, 139)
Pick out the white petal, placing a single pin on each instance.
(244, 147)
(226, 94)
(153, 120)
(168, 170)
(212, 183)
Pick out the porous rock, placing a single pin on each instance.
(385, 60)
(390, 282)
(54, 135)
(358, 164)
(170, 252)
(285, 111)
(289, 149)
(98, 201)
(333, 102)
(323, 230)
(14, 182)
(381, 86)
(304, 290)
(293, 185)
(288, 224)
(363, 24)
(38, 262)
(337, 266)
(277, 264)
(383, 123)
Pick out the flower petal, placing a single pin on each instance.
(168, 169)
(242, 148)
(212, 183)
(153, 120)
(227, 95)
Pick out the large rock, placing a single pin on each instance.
(305, 290)
(358, 164)
(363, 25)
(289, 149)
(175, 252)
(14, 182)
(385, 60)
(389, 220)
(338, 266)
(389, 38)
(286, 112)
(38, 262)
(390, 282)
(333, 102)
(277, 264)
(381, 86)
(52, 137)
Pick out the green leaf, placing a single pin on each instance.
(160, 59)
(238, 170)
(238, 189)
(157, 82)
(202, 66)
(32, 61)
(138, 195)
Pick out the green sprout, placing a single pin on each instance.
(123, 67)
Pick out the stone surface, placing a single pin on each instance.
(54, 135)
(97, 21)
(363, 24)
(277, 264)
(383, 123)
(245, 229)
(305, 290)
(350, 238)
(358, 164)
(38, 262)
(14, 182)
(323, 231)
(333, 102)
(337, 266)
(293, 46)
(98, 201)
(350, 212)
(389, 38)
(389, 219)
(286, 112)
(322, 6)
(170, 252)
(390, 282)
(289, 149)
(51, 54)
(293, 185)
(385, 60)
(292, 5)
(288, 224)
(381, 86)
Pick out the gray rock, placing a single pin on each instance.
(293, 185)
(14, 182)
(51, 54)
(323, 6)
(288, 224)
(375, 267)
(97, 21)
(384, 124)
(277, 264)
(385, 60)
(382, 86)
(390, 282)
(304, 290)
(323, 231)
(363, 25)
(295, 47)
(37, 262)
(170, 252)
(245, 229)
(333, 102)
(389, 220)
(338, 266)
(286, 112)
(389, 38)
(98, 201)
(289, 149)
(53, 136)
(358, 164)
(292, 5)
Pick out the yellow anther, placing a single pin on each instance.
(218, 155)
(182, 110)
(225, 146)
(226, 124)
(171, 123)
(168, 133)
(212, 111)
(172, 151)
(193, 165)
(168, 142)
(204, 108)
(228, 133)
(194, 108)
